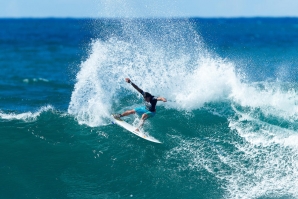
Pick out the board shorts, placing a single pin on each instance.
(142, 110)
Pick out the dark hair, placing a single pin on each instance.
(146, 94)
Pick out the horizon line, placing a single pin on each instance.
(129, 18)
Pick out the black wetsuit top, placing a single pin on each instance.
(150, 106)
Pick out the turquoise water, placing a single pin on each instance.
(228, 130)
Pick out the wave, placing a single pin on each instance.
(250, 151)
(177, 66)
(28, 116)
(273, 98)
(100, 83)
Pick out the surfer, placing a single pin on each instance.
(146, 111)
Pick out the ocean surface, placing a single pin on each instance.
(229, 129)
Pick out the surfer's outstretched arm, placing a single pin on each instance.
(162, 99)
(135, 86)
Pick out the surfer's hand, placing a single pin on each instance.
(127, 80)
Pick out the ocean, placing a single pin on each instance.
(228, 129)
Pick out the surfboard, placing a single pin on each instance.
(132, 129)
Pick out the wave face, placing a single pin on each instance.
(228, 130)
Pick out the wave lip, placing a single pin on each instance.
(28, 116)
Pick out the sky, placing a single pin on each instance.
(148, 8)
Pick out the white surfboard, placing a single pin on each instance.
(132, 129)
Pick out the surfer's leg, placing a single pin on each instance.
(129, 112)
(126, 113)
(144, 117)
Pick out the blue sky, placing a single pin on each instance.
(148, 8)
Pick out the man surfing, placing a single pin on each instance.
(146, 111)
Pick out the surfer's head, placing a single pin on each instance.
(147, 96)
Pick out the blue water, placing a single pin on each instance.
(228, 130)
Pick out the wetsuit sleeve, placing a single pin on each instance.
(141, 91)
(137, 88)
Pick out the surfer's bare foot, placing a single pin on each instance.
(137, 130)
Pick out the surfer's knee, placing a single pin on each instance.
(132, 111)
(144, 116)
